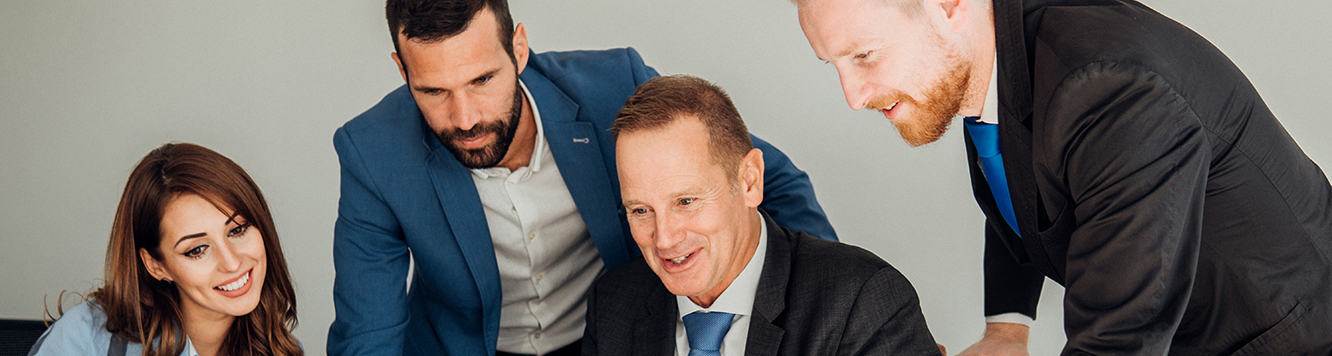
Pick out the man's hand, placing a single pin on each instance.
(1000, 339)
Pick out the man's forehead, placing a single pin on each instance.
(452, 60)
(650, 166)
(839, 28)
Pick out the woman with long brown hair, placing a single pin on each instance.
(193, 268)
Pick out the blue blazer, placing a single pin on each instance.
(403, 192)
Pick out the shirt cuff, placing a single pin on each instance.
(1015, 318)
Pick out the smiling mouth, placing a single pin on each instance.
(681, 259)
(241, 282)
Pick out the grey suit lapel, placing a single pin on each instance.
(654, 331)
(770, 300)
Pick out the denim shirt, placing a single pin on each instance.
(82, 331)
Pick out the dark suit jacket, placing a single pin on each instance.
(814, 297)
(1149, 178)
(403, 192)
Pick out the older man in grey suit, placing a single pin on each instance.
(727, 279)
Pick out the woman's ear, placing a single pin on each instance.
(154, 266)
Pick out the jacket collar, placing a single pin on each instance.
(1015, 136)
(770, 301)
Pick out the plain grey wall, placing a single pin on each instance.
(87, 87)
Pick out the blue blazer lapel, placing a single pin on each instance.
(577, 150)
(465, 217)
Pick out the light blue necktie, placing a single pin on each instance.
(986, 138)
(705, 332)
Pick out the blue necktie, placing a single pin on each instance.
(705, 332)
(986, 138)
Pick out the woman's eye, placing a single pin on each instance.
(686, 201)
(239, 230)
(196, 252)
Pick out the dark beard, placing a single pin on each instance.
(488, 156)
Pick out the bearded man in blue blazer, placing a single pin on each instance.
(493, 169)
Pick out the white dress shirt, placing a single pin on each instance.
(990, 115)
(546, 258)
(738, 299)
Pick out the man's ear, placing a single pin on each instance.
(520, 47)
(751, 177)
(154, 266)
(956, 13)
(401, 70)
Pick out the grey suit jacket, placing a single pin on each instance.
(815, 297)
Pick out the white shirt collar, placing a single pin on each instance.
(738, 298)
(990, 112)
(189, 348)
(538, 149)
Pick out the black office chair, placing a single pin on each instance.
(17, 336)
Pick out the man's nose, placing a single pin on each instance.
(669, 232)
(857, 93)
(465, 113)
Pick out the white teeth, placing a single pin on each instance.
(890, 107)
(681, 259)
(237, 284)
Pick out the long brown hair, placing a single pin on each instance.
(142, 309)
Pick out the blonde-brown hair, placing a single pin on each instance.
(662, 100)
(142, 309)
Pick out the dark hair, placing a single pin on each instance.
(435, 20)
(140, 308)
(663, 100)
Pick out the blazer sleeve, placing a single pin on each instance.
(788, 195)
(639, 70)
(370, 258)
(1133, 159)
(1009, 286)
(886, 319)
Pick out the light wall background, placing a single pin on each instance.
(87, 87)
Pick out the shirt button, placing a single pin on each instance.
(531, 236)
(537, 335)
(539, 276)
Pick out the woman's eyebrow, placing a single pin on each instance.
(191, 236)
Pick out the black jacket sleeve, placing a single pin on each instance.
(1132, 156)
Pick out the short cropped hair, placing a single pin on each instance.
(436, 20)
(663, 100)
